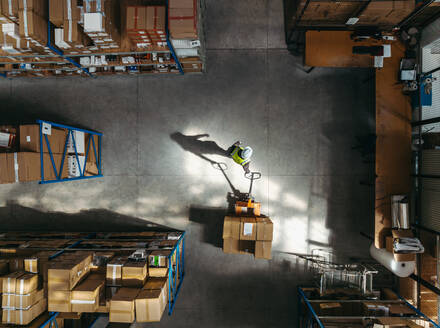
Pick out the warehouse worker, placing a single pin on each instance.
(241, 155)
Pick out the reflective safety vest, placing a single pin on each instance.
(237, 158)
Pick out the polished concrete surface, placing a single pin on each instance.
(301, 126)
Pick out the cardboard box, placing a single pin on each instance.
(114, 271)
(24, 317)
(122, 305)
(26, 283)
(263, 249)
(134, 274)
(156, 283)
(66, 275)
(157, 272)
(71, 11)
(32, 26)
(150, 305)
(4, 267)
(155, 18)
(158, 258)
(7, 168)
(182, 23)
(28, 168)
(31, 265)
(231, 227)
(30, 139)
(56, 12)
(8, 301)
(39, 7)
(8, 316)
(264, 229)
(231, 246)
(59, 301)
(248, 229)
(189, 4)
(136, 18)
(28, 300)
(10, 282)
(16, 264)
(9, 9)
(85, 296)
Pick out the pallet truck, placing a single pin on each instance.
(243, 203)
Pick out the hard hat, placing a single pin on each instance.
(246, 153)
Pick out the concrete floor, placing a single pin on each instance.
(301, 126)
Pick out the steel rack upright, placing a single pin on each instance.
(91, 146)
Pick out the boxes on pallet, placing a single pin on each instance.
(134, 274)
(30, 139)
(182, 19)
(122, 305)
(99, 21)
(146, 25)
(85, 296)
(248, 235)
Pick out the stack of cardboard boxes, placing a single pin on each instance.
(20, 158)
(100, 23)
(182, 18)
(23, 297)
(146, 26)
(243, 235)
(139, 290)
(82, 29)
(24, 27)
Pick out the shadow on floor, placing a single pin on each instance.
(198, 147)
(17, 111)
(212, 220)
(14, 217)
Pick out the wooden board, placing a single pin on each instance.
(335, 49)
(393, 143)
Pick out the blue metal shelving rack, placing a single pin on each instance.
(70, 135)
(177, 273)
(309, 317)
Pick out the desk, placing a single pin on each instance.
(393, 115)
(393, 144)
(335, 49)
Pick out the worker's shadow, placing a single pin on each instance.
(199, 147)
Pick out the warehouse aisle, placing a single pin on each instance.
(301, 126)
